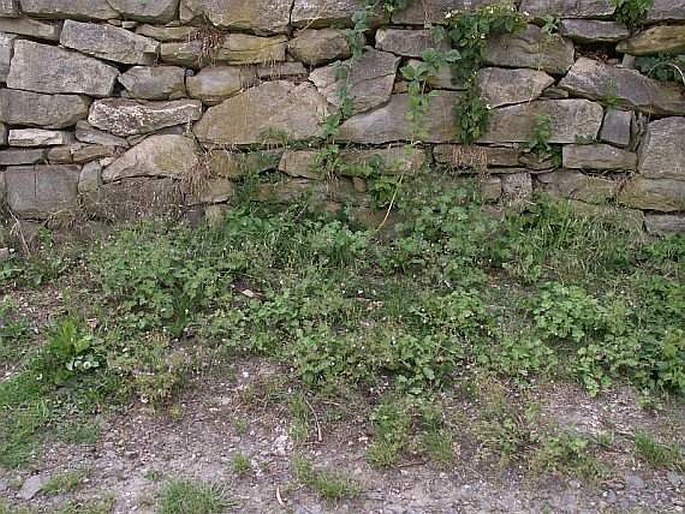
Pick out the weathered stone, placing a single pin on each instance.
(617, 127)
(369, 82)
(665, 224)
(236, 165)
(8, 8)
(60, 154)
(43, 190)
(664, 195)
(430, 12)
(443, 79)
(282, 71)
(157, 11)
(107, 42)
(48, 69)
(87, 134)
(32, 486)
(156, 156)
(389, 123)
(176, 130)
(316, 13)
(531, 48)
(499, 86)
(6, 49)
(261, 16)
(40, 110)
(77, 9)
(38, 137)
(280, 106)
(213, 85)
(569, 9)
(476, 157)
(86, 153)
(136, 198)
(571, 119)
(517, 188)
(662, 153)
(3, 134)
(214, 190)
(317, 47)
(666, 10)
(598, 157)
(654, 40)
(185, 53)
(593, 31)
(160, 33)
(410, 43)
(627, 88)
(91, 178)
(49, 31)
(123, 117)
(490, 189)
(575, 185)
(154, 82)
(13, 157)
(234, 49)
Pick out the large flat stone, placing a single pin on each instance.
(598, 157)
(38, 137)
(87, 134)
(49, 31)
(575, 185)
(213, 85)
(107, 42)
(662, 153)
(531, 48)
(77, 9)
(571, 120)
(654, 40)
(43, 190)
(569, 8)
(16, 156)
(390, 122)
(500, 86)
(41, 110)
(156, 156)
(663, 195)
(317, 47)
(625, 87)
(593, 31)
(665, 224)
(261, 16)
(409, 43)
(323, 13)
(154, 82)
(369, 83)
(156, 11)
(234, 165)
(164, 33)
(472, 157)
(48, 69)
(666, 10)
(6, 49)
(282, 107)
(234, 49)
(123, 117)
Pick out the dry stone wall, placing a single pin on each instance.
(124, 108)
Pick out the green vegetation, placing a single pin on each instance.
(632, 12)
(188, 497)
(498, 304)
(663, 67)
(330, 486)
(658, 455)
(65, 482)
(241, 465)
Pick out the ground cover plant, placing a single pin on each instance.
(448, 307)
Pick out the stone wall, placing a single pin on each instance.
(121, 108)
